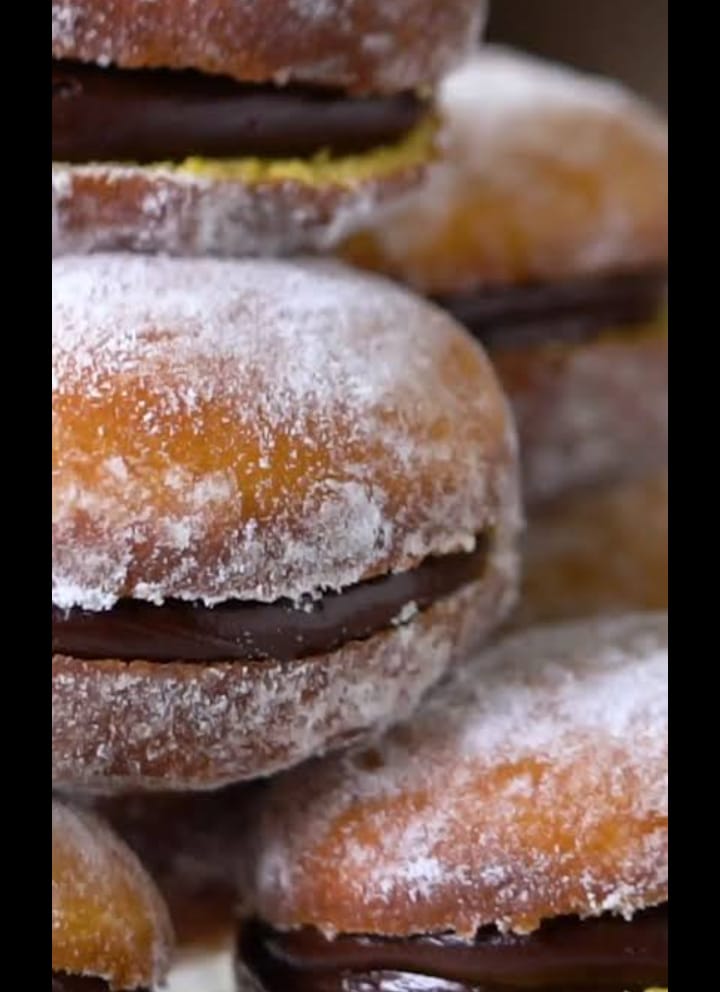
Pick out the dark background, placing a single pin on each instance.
(627, 39)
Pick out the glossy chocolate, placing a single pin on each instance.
(572, 311)
(248, 631)
(155, 115)
(607, 954)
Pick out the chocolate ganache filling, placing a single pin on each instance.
(251, 631)
(159, 115)
(607, 954)
(572, 311)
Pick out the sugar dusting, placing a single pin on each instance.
(289, 427)
(501, 89)
(493, 800)
(94, 869)
(178, 726)
(98, 207)
(370, 45)
(564, 173)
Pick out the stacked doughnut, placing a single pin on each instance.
(511, 835)
(231, 128)
(544, 230)
(285, 494)
(286, 505)
(284, 501)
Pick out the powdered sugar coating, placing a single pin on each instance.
(107, 918)
(174, 726)
(533, 783)
(155, 208)
(359, 45)
(589, 413)
(547, 174)
(262, 429)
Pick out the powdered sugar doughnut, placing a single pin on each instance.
(547, 175)
(109, 924)
(544, 230)
(531, 786)
(167, 178)
(238, 449)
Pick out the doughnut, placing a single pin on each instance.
(191, 843)
(285, 498)
(110, 928)
(512, 834)
(241, 128)
(543, 229)
(361, 46)
(598, 551)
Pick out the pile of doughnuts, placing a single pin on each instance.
(359, 360)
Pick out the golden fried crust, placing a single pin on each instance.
(595, 552)
(547, 175)
(358, 45)
(530, 785)
(591, 413)
(262, 430)
(107, 917)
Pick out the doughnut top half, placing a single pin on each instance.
(547, 174)
(108, 919)
(533, 784)
(261, 430)
(358, 45)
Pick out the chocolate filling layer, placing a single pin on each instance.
(62, 982)
(249, 631)
(571, 311)
(156, 115)
(606, 954)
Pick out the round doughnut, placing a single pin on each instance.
(544, 230)
(523, 807)
(110, 928)
(597, 551)
(357, 45)
(250, 444)
(191, 87)
(547, 175)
